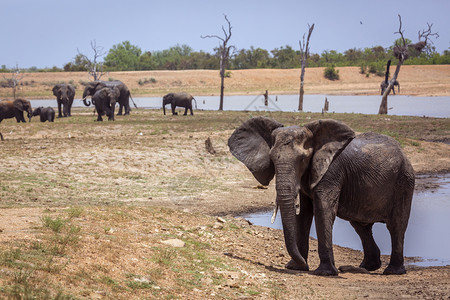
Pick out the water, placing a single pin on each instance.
(427, 235)
(400, 105)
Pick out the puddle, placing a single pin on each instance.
(427, 236)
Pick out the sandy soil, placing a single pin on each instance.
(432, 80)
(143, 179)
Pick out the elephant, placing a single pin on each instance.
(15, 108)
(46, 114)
(124, 102)
(180, 100)
(105, 101)
(324, 170)
(384, 85)
(64, 97)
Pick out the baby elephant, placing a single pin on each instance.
(47, 113)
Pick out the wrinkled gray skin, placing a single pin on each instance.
(64, 97)
(384, 85)
(15, 109)
(124, 97)
(362, 179)
(180, 100)
(105, 102)
(46, 114)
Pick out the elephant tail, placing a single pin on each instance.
(129, 94)
(195, 102)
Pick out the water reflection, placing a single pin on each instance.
(399, 105)
(426, 236)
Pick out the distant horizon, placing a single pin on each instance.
(48, 33)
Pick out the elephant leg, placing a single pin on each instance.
(371, 261)
(185, 111)
(59, 109)
(303, 227)
(119, 113)
(396, 264)
(325, 209)
(192, 113)
(173, 110)
(127, 107)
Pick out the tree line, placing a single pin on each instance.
(127, 57)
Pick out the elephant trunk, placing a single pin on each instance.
(164, 106)
(30, 114)
(287, 192)
(86, 103)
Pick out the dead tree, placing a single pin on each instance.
(401, 52)
(95, 67)
(14, 81)
(224, 55)
(304, 51)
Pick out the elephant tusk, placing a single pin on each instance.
(274, 214)
(297, 205)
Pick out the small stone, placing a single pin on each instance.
(174, 243)
(221, 220)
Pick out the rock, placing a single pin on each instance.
(221, 220)
(174, 243)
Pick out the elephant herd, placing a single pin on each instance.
(104, 95)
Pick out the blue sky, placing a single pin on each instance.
(47, 33)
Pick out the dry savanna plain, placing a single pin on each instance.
(137, 208)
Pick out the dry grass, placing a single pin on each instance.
(429, 80)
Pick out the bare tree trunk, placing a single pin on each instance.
(384, 106)
(304, 48)
(222, 81)
(224, 56)
(302, 92)
(401, 52)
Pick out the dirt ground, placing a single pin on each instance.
(143, 179)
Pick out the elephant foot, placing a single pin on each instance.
(119, 113)
(292, 265)
(59, 116)
(391, 270)
(326, 270)
(371, 266)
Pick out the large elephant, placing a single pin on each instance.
(363, 179)
(124, 97)
(15, 108)
(180, 100)
(105, 102)
(64, 97)
(45, 114)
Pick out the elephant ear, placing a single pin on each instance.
(251, 144)
(18, 104)
(55, 90)
(330, 137)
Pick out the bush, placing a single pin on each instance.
(331, 73)
(377, 68)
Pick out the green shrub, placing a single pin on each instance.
(331, 73)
